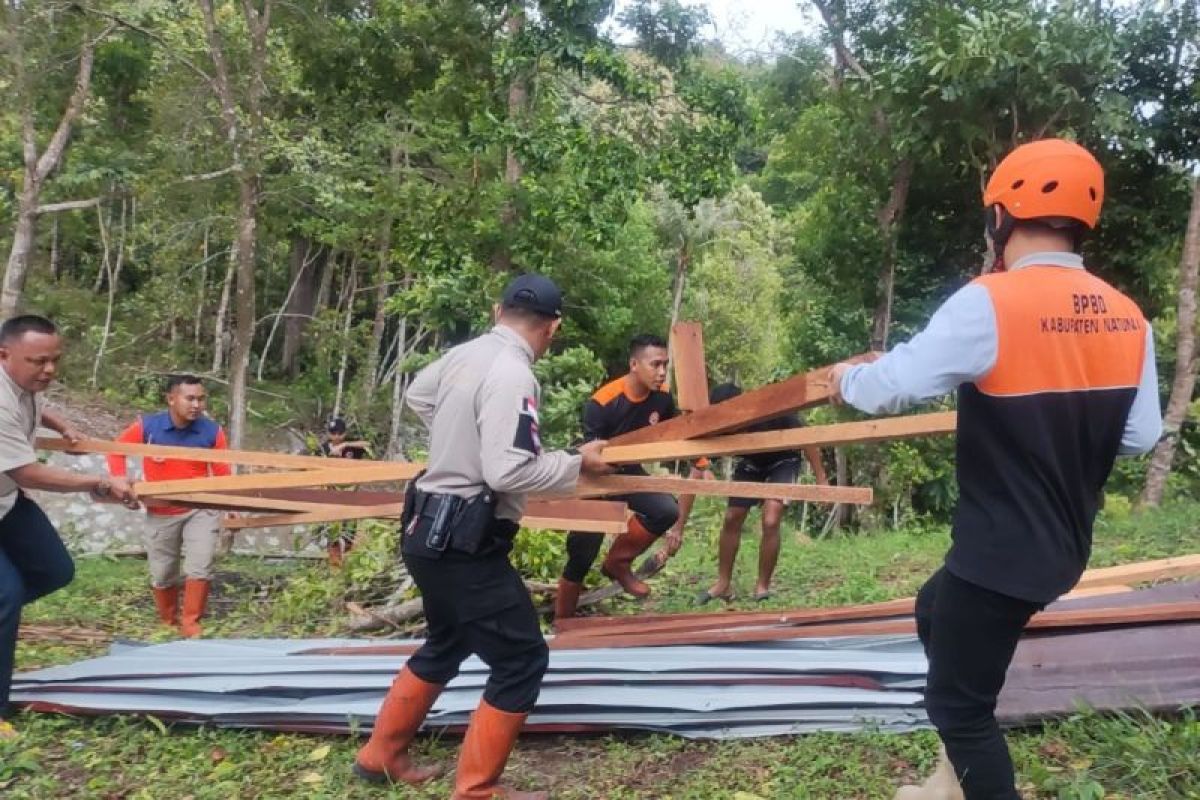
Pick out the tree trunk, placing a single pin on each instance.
(395, 448)
(683, 258)
(112, 275)
(54, 256)
(201, 288)
(344, 365)
(280, 315)
(244, 308)
(383, 276)
(306, 262)
(325, 289)
(18, 257)
(1186, 361)
(241, 128)
(889, 228)
(220, 329)
(38, 168)
(518, 99)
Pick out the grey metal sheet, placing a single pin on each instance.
(197, 658)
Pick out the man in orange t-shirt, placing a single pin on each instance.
(175, 531)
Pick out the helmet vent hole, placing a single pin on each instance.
(1092, 192)
(1049, 187)
(1019, 184)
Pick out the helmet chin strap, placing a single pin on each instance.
(999, 232)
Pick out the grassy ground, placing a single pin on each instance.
(1086, 757)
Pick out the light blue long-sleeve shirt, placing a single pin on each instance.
(960, 345)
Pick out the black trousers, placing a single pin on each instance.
(657, 512)
(33, 563)
(479, 605)
(970, 634)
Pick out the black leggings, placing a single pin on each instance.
(969, 634)
(656, 512)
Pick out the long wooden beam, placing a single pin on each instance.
(232, 502)
(1158, 570)
(328, 514)
(798, 392)
(1046, 620)
(630, 484)
(381, 472)
(251, 458)
(673, 623)
(575, 524)
(842, 433)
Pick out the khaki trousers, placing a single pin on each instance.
(192, 535)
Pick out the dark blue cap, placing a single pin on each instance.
(535, 293)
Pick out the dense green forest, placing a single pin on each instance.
(307, 201)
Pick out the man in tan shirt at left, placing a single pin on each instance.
(33, 560)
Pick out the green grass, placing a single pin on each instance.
(1086, 757)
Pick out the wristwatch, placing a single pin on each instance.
(102, 489)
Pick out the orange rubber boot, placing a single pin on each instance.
(384, 758)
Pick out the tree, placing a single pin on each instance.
(1187, 359)
(241, 115)
(31, 68)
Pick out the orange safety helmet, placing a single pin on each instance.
(1048, 178)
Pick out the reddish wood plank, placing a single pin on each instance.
(654, 623)
(842, 433)
(628, 484)
(687, 362)
(796, 393)
(1047, 620)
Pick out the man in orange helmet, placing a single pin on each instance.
(1056, 377)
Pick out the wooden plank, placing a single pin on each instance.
(798, 392)
(701, 621)
(251, 458)
(599, 510)
(381, 472)
(1047, 620)
(575, 524)
(324, 497)
(889, 608)
(332, 514)
(687, 362)
(231, 502)
(629, 484)
(842, 433)
(1141, 572)
(1096, 591)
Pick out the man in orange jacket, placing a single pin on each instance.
(1055, 376)
(175, 530)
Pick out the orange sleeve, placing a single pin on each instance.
(220, 470)
(116, 462)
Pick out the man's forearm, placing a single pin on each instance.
(53, 421)
(52, 479)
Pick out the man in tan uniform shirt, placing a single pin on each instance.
(33, 560)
